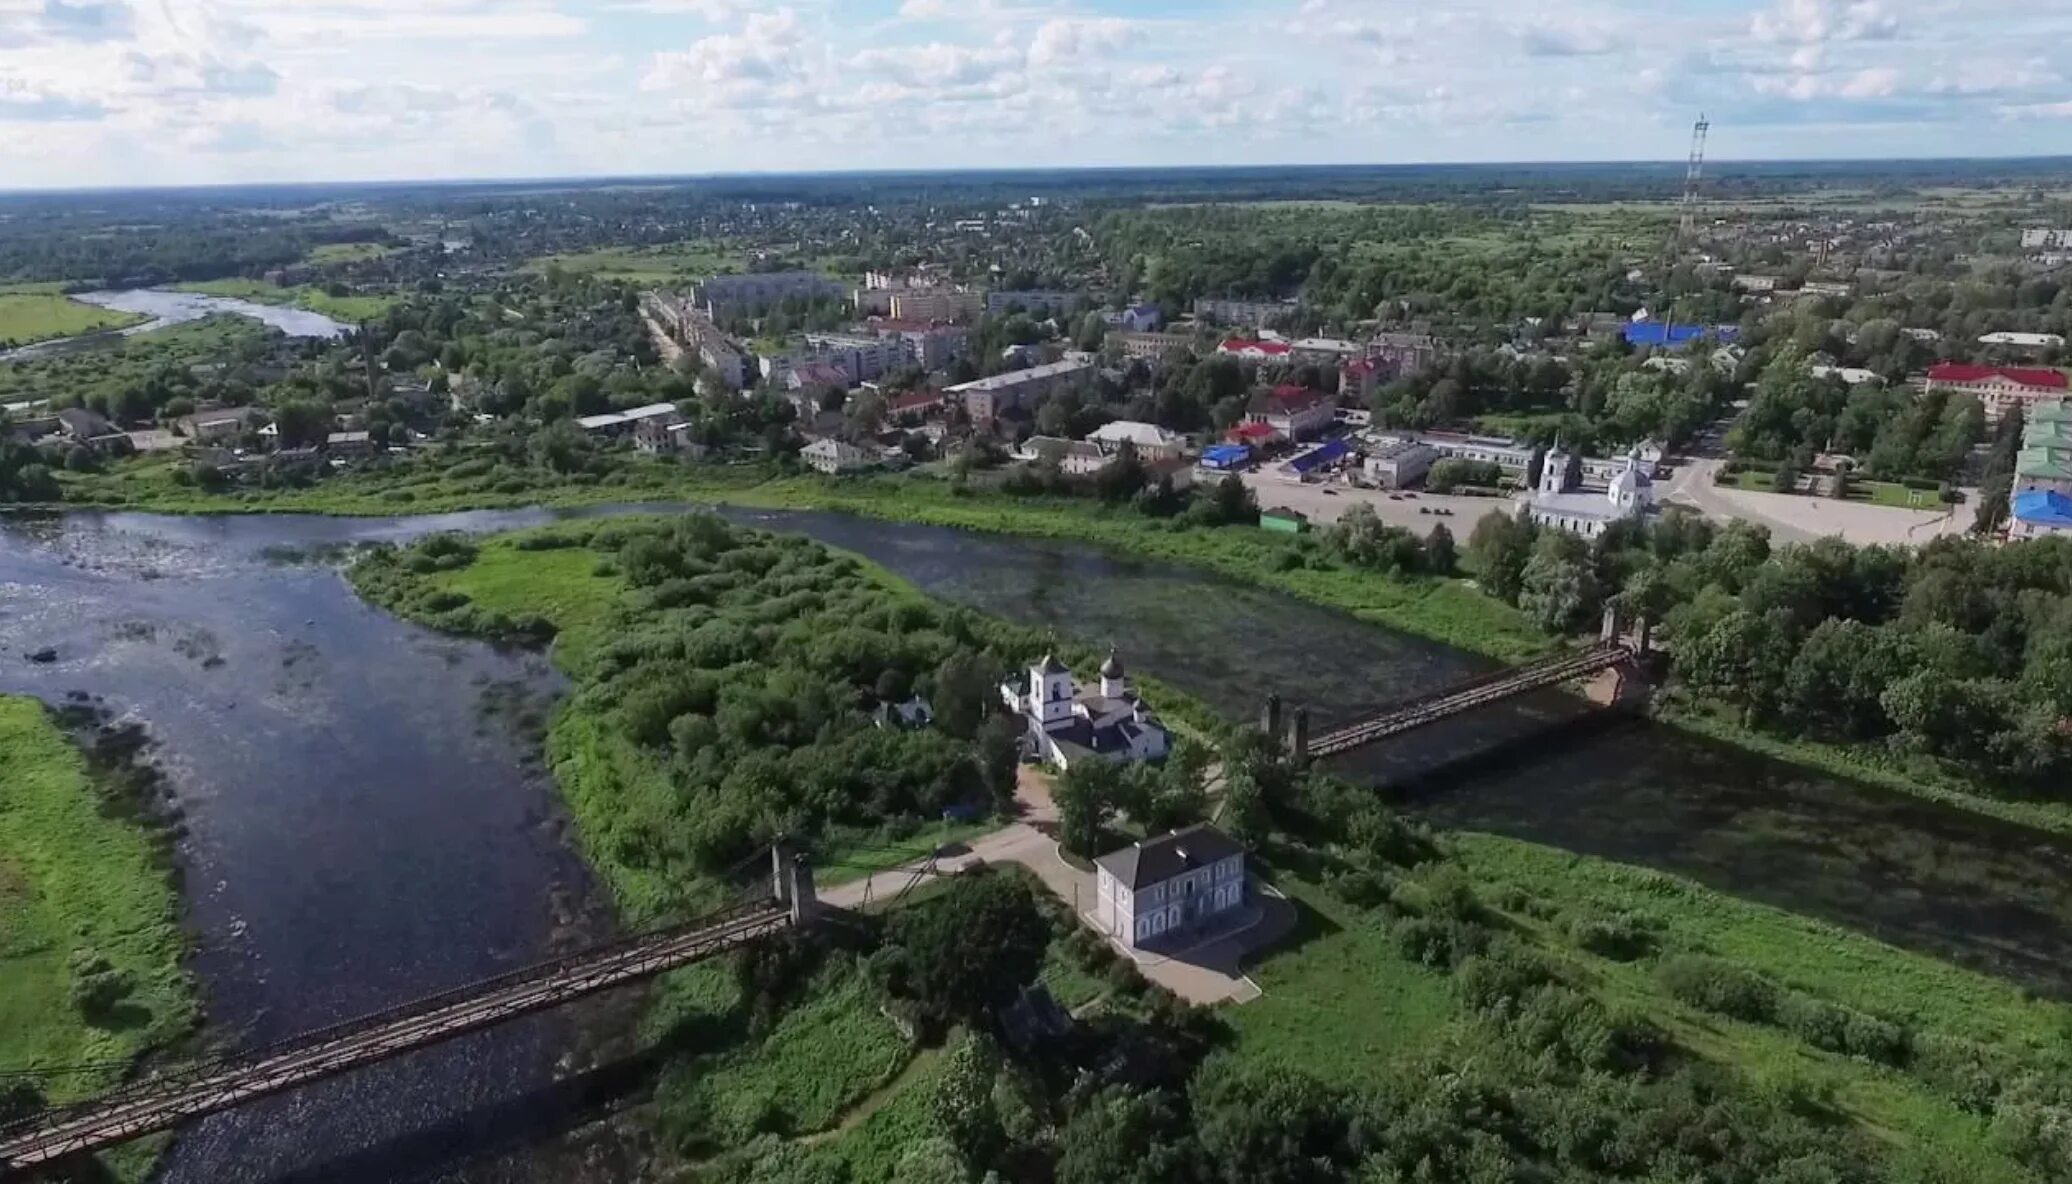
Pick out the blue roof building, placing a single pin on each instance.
(1670, 335)
(1226, 456)
(1316, 458)
(2039, 512)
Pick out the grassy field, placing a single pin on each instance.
(1892, 493)
(350, 252)
(1344, 1002)
(39, 312)
(129, 360)
(351, 309)
(646, 265)
(75, 881)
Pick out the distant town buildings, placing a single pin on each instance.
(835, 457)
(728, 294)
(1150, 441)
(1295, 412)
(986, 398)
(1138, 318)
(1398, 463)
(2000, 389)
(623, 423)
(1247, 350)
(1243, 314)
(1152, 347)
(1035, 302)
(1165, 887)
(2044, 239)
(1074, 458)
(1068, 723)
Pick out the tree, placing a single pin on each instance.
(999, 751)
(303, 423)
(1497, 553)
(1441, 556)
(964, 692)
(1362, 538)
(1558, 587)
(963, 1101)
(1121, 478)
(1086, 799)
(1118, 1137)
(969, 950)
(932, 1160)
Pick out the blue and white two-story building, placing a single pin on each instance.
(1169, 885)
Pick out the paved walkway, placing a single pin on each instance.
(1795, 519)
(1208, 973)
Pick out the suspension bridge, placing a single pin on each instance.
(1613, 652)
(168, 1098)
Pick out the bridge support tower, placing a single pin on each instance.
(1298, 737)
(792, 883)
(1270, 718)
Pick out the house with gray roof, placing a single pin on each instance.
(1169, 886)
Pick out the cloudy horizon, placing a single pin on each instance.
(97, 93)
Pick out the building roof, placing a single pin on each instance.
(1143, 435)
(1319, 456)
(1287, 399)
(2045, 463)
(913, 401)
(2029, 376)
(1272, 349)
(1112, 668)
(1014, 378)
(591, 423)
(1229, 454)
(1155, 861)
(1667, 333)
(2044, 507)
(1252, 431)
(2008, 338)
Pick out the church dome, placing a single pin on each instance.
(1112, 668)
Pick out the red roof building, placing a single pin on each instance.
(2000, 389)
(1255, 351)
(1252, 435)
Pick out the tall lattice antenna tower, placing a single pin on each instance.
(1692, 176)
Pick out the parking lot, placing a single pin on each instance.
(1418, 511)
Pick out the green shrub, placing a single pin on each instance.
(1714, 985)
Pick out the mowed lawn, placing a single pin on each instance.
(40, 312)
(74, 879)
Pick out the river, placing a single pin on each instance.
(366, 824)
(167, 308)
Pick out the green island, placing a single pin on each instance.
(1458, 1001)
(90, 940)
(348, 308)
(30, 313)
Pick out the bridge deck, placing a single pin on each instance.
(1491, 688)
(157, 1103)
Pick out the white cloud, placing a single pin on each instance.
(1806, 22)
(1067, 41)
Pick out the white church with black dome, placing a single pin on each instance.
(1068, 723)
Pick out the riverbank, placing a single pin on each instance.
(90, 941)
(1917, 777)
(1451, 611)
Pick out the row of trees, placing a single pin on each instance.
(1960, 650)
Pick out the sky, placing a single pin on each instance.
(152, 92)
